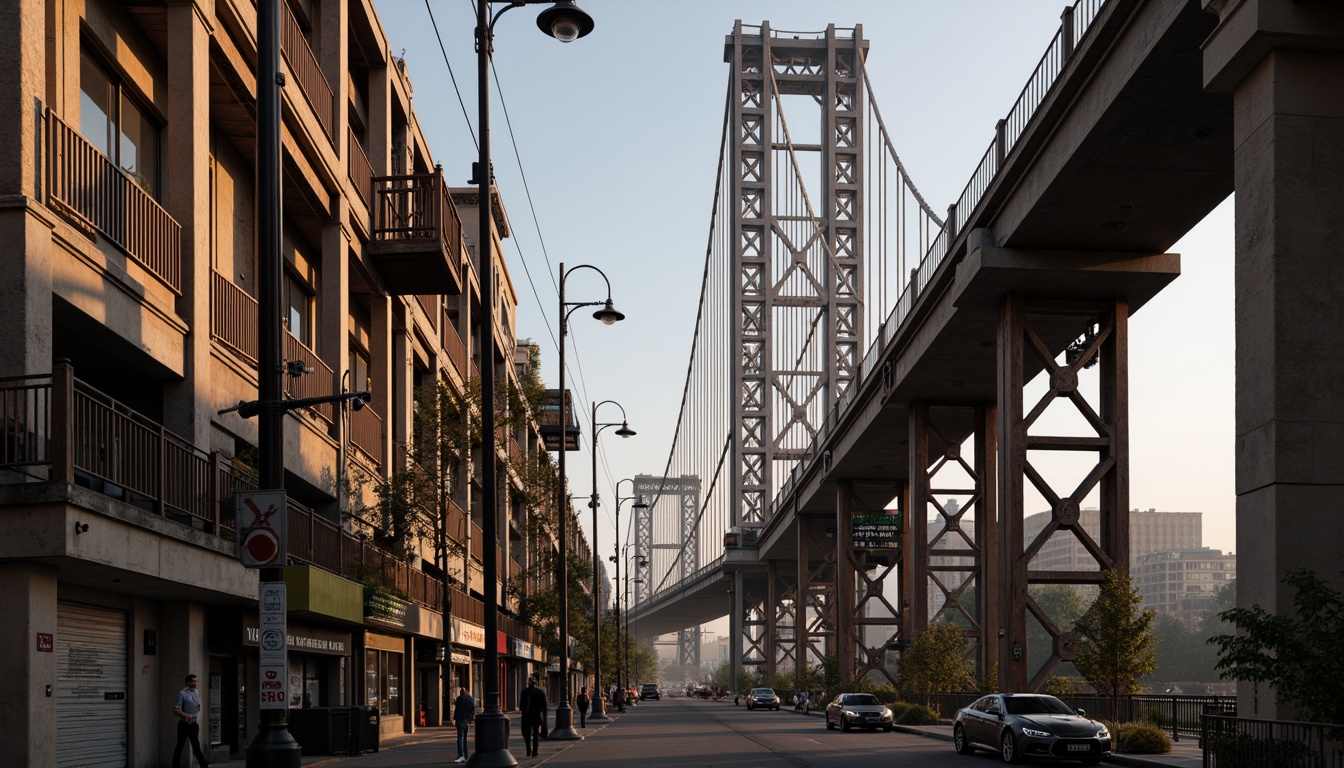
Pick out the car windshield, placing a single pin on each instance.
(1036, 705)
(861, 699)
(762, 692)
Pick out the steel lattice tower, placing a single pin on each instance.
(797, 246)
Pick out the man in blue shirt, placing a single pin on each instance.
(187, 709)
(464, 713)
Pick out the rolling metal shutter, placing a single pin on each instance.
(91, 686)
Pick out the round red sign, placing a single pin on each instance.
(261, 545)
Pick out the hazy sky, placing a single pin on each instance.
(618, 136)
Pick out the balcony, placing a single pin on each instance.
(89, 189)
(54, 427)
(417, 236)
(305, 69)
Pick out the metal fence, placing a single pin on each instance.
(1231, 742)
(1177, 714)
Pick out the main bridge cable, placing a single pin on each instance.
(700, 310)
(886, 140)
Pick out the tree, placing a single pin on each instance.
(936, 662)
(1116, 650)
(1297, 655)
(1064, 604)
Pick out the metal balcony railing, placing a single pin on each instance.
(358, 168)
(456, 349)
(320, 383)
(84, 184)
(233, 317)
(366, 433)
(303, 65)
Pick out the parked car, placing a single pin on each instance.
(762, 698)
(1029, 725)
(857, 710)
(649, 691)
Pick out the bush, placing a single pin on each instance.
(905, 713)
(1140, 739)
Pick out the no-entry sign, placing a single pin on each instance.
(260, 520)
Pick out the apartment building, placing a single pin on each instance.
(129, 291)
(1183, 582)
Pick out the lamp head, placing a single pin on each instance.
(565, 21)
(625, 431)
(609, 314)
(640, 503)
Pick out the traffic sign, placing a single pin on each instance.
(260, 520)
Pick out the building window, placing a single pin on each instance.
(111, 119)
(360, 358)
(382, 680)
(300, 296)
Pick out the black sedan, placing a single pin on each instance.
(762, 698)
(1028, 725)
(857, 710)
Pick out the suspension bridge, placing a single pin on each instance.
(876, 384)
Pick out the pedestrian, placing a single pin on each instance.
(532, 705)
(464, 714)
(187, 709)
(582, 703)
(618, 699)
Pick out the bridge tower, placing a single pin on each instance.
(797, 277)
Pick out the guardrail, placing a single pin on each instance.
(1231, 742)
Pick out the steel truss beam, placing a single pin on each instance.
(952, 566)
(1032, 334)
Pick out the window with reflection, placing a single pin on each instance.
(112, 120)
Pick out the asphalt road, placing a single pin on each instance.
(682, 733)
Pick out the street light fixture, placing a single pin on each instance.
(566, 22)
(622, 675)
(564, 715)
(624, 430)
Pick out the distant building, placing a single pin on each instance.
(1183, 582)
(1157, 541)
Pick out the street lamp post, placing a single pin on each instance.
(623, 429)
(639, 562)
(566, 22)
(622, 674)
(564, 715)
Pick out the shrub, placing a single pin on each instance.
(905, 713)
(1153, 715)
(1058, 685)
(1140, 739)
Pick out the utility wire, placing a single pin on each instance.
(451, 76)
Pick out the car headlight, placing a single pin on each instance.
(886, 714)
(1036, 733)
(1102, 733)
(851, 714)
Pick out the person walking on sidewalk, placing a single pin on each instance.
(464, 713)
(187, 710)
(532, 705)
(581, 703)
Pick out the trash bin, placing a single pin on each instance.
(363, 729)
(321, 730)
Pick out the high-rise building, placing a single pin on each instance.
(130, 299)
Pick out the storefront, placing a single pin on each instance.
(398, 635)
(465, 654)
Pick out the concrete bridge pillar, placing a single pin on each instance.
(1284, 64)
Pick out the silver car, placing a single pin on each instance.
(857, 710)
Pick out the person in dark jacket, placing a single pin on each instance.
(581, 703)
(464, 714)
(533, 707)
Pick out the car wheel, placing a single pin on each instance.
(829, 725)
(886, 729)
(1008, 747)
(959, 741)
(844, 723)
